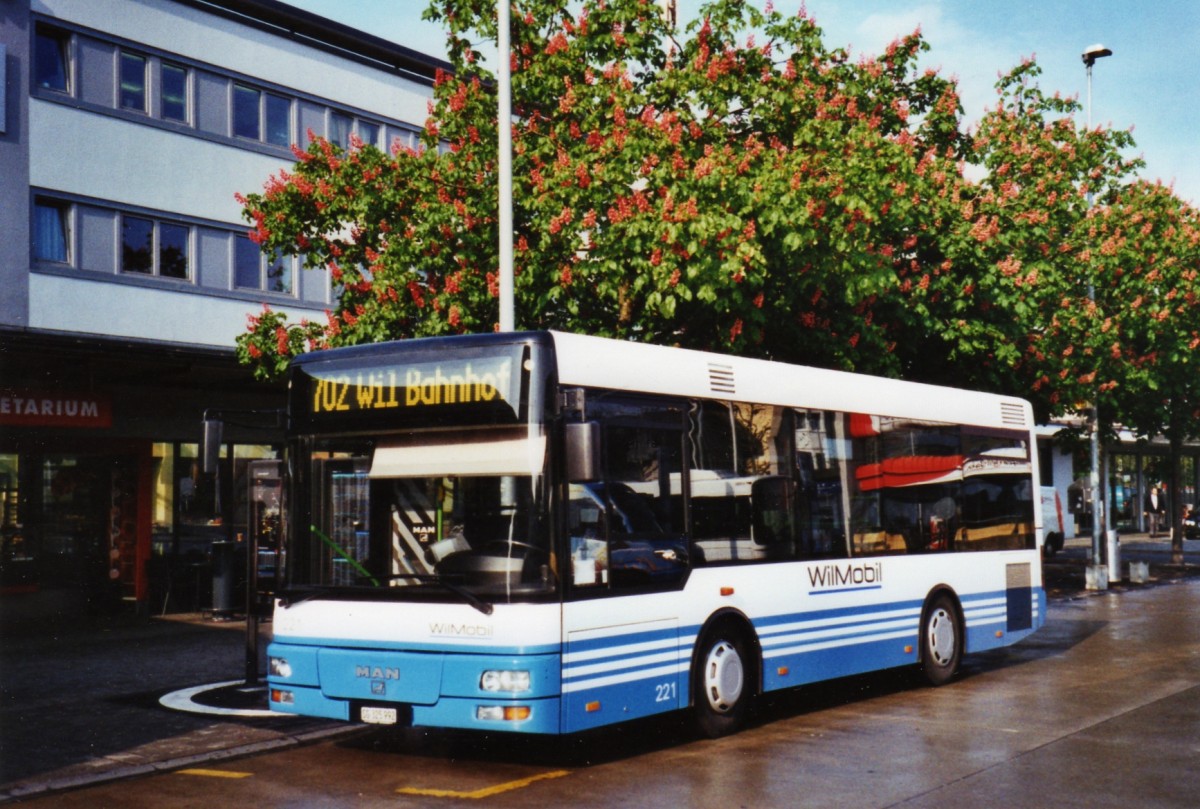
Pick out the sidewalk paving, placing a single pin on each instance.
(79, 694)
(79, 697)
(1065, 573)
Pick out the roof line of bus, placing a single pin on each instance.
(603, 362)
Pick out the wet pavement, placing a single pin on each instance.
(80, 698)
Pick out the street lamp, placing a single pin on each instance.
(1099, 512)
(1090, 55)
(504, 125)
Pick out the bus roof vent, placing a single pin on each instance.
(1012, 413)
(720, 378)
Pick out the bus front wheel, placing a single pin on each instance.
(722, 683)
(941, 641)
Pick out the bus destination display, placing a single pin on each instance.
(465, 382)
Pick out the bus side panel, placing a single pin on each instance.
(803, 648)
(1002, 618)
(620, 671)
(858, 615)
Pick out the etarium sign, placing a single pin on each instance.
(24, 408)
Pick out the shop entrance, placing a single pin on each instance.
(71, 523)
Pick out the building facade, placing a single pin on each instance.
(126, 129)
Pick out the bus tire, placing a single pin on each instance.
(722, 681)
(941, 640)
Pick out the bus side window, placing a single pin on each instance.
(641, 492)
(822, 457)
(732, 448)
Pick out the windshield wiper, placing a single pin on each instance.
(289, 596)
(462, 592)
(340, 551)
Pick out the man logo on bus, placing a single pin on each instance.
(376, 673)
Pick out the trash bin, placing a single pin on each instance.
(1114, 556)
(228, 584)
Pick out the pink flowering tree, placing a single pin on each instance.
(1065, 279)
(754, 193)
(1018, 250)
(1148, 254)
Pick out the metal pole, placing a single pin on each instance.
(1098, 510)
(504, 125)
(1099, 493)
(251, 545)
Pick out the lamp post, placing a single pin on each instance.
(1099, 511)
(504, 125)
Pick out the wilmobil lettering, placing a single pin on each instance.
(461, 630)
(827, 576)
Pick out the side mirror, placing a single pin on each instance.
(583, 451)
(772, 516)
(210, 449)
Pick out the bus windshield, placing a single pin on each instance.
(429, 515)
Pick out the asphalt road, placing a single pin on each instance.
(1099, 708)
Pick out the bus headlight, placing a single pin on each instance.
(503, 713)
(510, 681)
(279, 667)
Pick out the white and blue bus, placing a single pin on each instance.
(548, 533)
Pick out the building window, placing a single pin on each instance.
(154, 248)
(51, 230)
(133, 82)
(137, 244)
(279, 275)
(339, 129)
(173, 251)
(52, 62)
(174, 91)
(278, 113)
(368, 133)
(400, 139)
(252, 271)
(245, 112)
(246, 264)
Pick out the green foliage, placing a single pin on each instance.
(756, 193)
(712, 191)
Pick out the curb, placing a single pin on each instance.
(183, 700)
(34, 788)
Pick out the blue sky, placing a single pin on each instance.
(1151, 82)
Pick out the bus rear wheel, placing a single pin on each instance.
(722, 683)
(941, 641)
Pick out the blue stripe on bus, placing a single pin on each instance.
(845, 590)
(648, 636)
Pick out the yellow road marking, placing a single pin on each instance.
(215, 773)
(486, 792)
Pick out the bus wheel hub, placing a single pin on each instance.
(724, 676)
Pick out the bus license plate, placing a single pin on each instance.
(375, 715)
